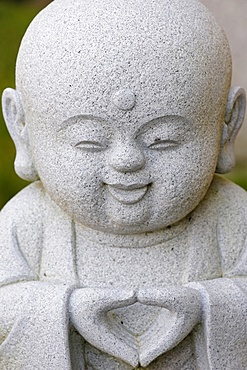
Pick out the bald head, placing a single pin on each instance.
(86, 50)
(113, 77)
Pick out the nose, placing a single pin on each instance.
(127, 157)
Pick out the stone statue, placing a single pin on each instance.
(126, 251)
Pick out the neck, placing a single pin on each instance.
(146, 239)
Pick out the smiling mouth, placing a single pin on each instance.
(130, 194)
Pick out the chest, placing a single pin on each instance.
(131, 267)
(106, 266)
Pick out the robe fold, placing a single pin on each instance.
(37, 280)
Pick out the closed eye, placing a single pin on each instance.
(93, 146)
(163, 144)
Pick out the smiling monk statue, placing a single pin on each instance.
(127, 251)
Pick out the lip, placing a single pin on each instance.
(128, 194)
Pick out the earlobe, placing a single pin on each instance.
(13, 113)
(235, 111)
(15, 121)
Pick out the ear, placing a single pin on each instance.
(235, 111)
(15, 121)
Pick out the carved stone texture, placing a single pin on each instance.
(126, 251)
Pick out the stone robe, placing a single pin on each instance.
(38, 272)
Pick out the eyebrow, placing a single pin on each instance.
(100, 120)
(82, 117)
(164, 120)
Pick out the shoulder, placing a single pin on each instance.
(229, 201)
(26, 205)
(231, 193)
(223, 199)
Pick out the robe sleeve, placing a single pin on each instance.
(221, 340)
(34, 326)
(33, 314)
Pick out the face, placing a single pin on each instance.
(125, 111)
(131, 171)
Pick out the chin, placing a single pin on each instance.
(127, 218)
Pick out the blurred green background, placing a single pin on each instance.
(15, 16)
(14, 19)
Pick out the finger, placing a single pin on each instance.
(102, 299)
(165, 338)
(175, 299)
(164, 341)
(88, 311)
(99, 334)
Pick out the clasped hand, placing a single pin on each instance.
(89, 308)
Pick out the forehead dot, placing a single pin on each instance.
(124, 99)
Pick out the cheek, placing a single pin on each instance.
(70, 175)
(183, 175)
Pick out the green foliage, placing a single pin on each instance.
(14, 19)
(239, 175)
